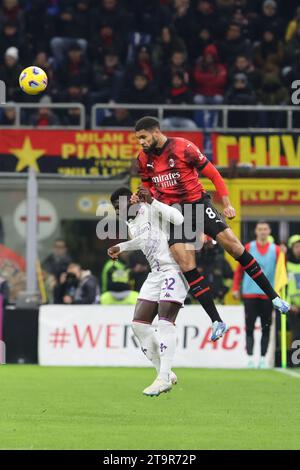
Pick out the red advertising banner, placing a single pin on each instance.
(106, 152)
(256, 149)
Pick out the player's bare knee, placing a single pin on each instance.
(185, 258)
(230, 243)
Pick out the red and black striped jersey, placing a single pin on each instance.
(172, 172)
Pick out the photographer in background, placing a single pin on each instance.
(76, 287)
(58, 261)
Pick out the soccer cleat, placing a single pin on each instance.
(281, 305)
(173, 378)
(218, 329)
(157, 387)
(250, 364)
(263, 364)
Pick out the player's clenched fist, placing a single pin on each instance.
(144, 195)
(134, 199)
(113, 252)
(229, 212)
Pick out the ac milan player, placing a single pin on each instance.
(169, 168)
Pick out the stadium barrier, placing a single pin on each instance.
(286, 117)
(25, 111)
(102, 336)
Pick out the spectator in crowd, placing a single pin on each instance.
(120, 117)
(116, 283)
(269, 50)
(9, 73)
(58, 261)
(11, 11)
(272, 92)
(40, 23)
(76, 286)
(244, 65)
(204, 13)
(212, 264)
(167, 42)
(182, 16)
(10, 37)
(75, 93)
(140, 91)
(269, 18)
(8, 115)
(239, 94)
(239, 17)
(204, 16)
(112, 14)
(44, 117)
(106, 38)
(210, 78)
(177, 63)
(179, 94)
(107, 79)
(292, 52)
(155, 38)
(142, 64)
(198, 43)
(293, 269)
(255, 301)
(4, 291)
(292, 26)
(75, 65)
(72, 28)
(150, 17)
(234, 44)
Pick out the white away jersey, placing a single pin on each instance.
(149, 232)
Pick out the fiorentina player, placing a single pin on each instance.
(169, 168)
(164, 291)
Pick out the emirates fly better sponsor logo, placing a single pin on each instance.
(166, 181)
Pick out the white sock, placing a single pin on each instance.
(149, 345)
(167, 340)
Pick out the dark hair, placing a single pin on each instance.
(120, 192)
(60, 240)
(147, 123)
(261, 222)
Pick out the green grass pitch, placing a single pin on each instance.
(103, 408)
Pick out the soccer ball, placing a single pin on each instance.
(33, 80)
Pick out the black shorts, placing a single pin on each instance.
(214, 222)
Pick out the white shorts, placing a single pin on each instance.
(164, 286)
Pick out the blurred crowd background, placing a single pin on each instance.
(170, 51)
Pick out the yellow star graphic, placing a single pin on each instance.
(27, 156)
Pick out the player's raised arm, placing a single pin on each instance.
(207, 169)
(168, 213)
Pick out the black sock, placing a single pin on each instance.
(201, 292)
(249, 344)
(254, 270)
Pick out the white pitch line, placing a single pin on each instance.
(289, 372)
